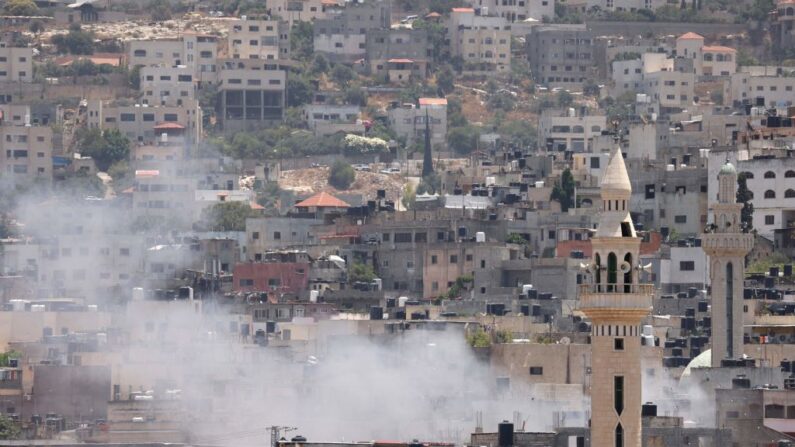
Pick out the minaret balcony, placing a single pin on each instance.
(727, 243)
(616, 296)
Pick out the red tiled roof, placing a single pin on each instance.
(433, 15)
(169, 125)
(322, 200)
(463, 9)
(147, 173)
(719, 49)
(690, 35)
(433, 101)
(400, 61)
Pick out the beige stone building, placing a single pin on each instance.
(144, 124)
(166, 85)
(484, 42)
(616, 303)
(25, 151)
(16, 64)
(726, 245)
(197, 51)
(258, 39)
(293, 11)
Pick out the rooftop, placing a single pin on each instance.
(690, 36)
(322, 200)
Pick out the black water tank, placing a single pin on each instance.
(787, 269)
(505, 430)
(703, 306)
(692, 292)
(536, 310)
(525, 310)
(376, 313)
(298, 438)
(390, 303)
(648, 410)
(532, 294)
(774, 272)
(400, 315)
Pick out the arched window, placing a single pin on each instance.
(789, 194)
(790, 11)
(628, 272)
(729, 310)
(789, 174)
(596, 129)
(747, 174)
(619, 435)
(770, 174)
(770, 194)
(612, 270)
(598, 268)
(578, 129)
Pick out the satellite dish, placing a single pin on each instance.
(565, 341)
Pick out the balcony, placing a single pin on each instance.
(616, 296)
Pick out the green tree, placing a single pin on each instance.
(76, 41)
(228, 216)
(356, 96)
(360, 272)
(744, 196)
(302, 43)
(463, 140)
(341, 175)
(479, 338)
(134, 77)
(516, 238)
(20, 8)
(319, 64)
(563, 191)
(445, 80)
(342, 75)
(8, 429)
(409, 197)
(564, 99)
(105, 147)
(520, 133)
(299, 90)
(160, 10)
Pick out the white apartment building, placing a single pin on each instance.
(25, 149)
(162, 196)
(409, 121)
(669, 89)
(484, 42)
(196, 51)
(293, 11)
(258, 39)
(772, 182)
(760, 89)
(517, 10)
(145, 124)
(569, 129)
(16, 64)
(167, 85)
(327, 119)
(629, 5)
(628, 74)
(708, 60)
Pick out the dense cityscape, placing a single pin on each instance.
(397, 223)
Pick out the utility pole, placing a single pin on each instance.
(276, 432)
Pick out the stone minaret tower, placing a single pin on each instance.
(616, 304)
(726, 245)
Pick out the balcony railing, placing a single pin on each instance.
(609, 289)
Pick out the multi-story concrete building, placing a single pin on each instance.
(252, 93)
(16, 64)
(342, 35)
(398, 55)
(167, 85)
(327, 119)
(616, 303)
(409, 121)
(163, 197)
(144, 124)
(708, 60)
(484, 42)
(569, 129)
(782, 25)
(627, 5)
(759, 86)
(196, 51)
(727, 244)
(25, 152)
(628, 74)
(771, 180)
(258, 39)
(518, 10)
(293, 11)
(564, 55)
(669, 91)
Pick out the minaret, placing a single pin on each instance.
(616, 303)
(726, 245)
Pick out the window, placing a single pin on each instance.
(618, 344)
(650, 190)
(124, 252)
(274, 282)
(149, 117)
(687, 266)
(255, 235)
(385, 237)
(594, 162)
(482, 263)
(681, 219)
(618, 395)
(770, 194)
(536, 370)
(170, 117)
(139, 53)
(770, 174)
(206, 54)
(244, 282)
(770, 219)
(789, 194)
(453, 259)
(434, 259)
(551, 234)
(789, 174)
(619, 435)
(127, 117)
(277, 235)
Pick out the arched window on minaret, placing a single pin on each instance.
(628, 273)
(598, 269)
(612, 271)
(729, 309)
(619, 435)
